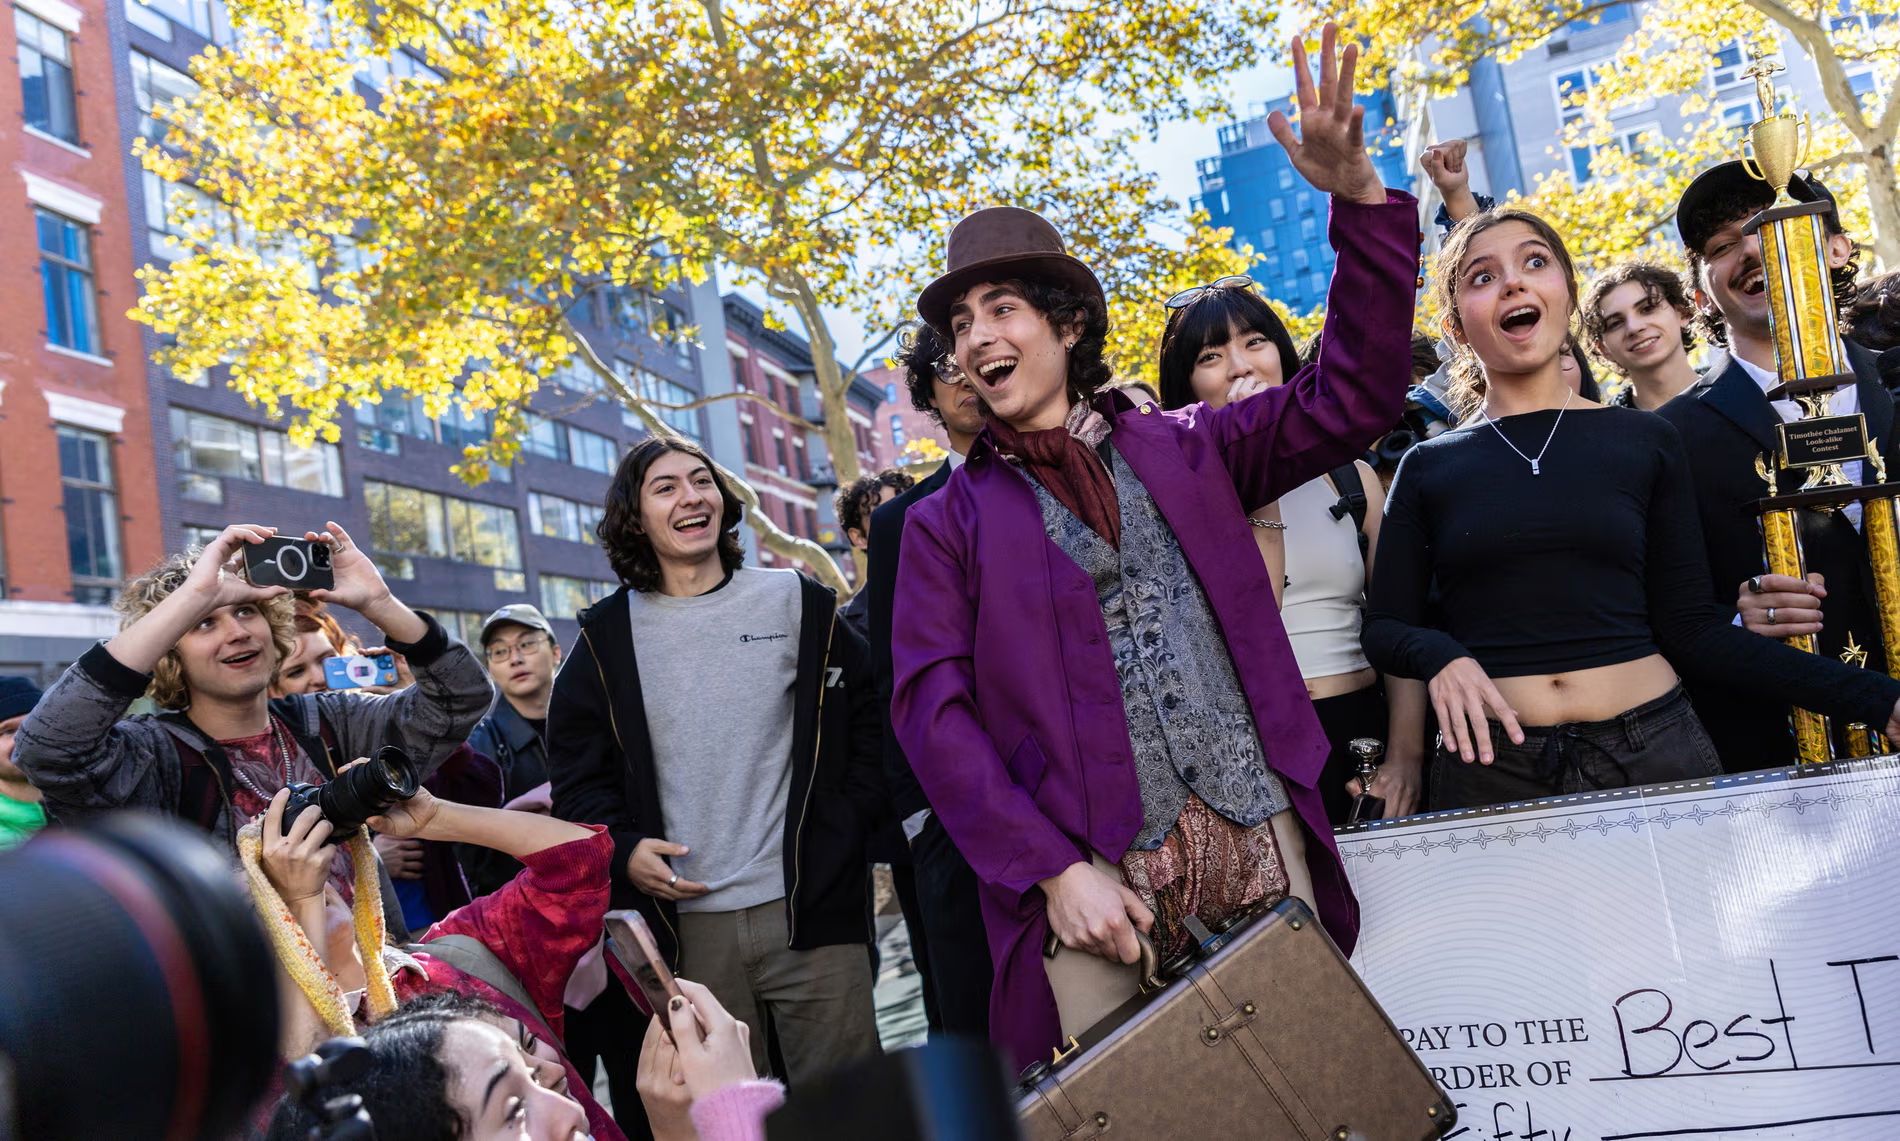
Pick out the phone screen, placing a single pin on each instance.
(632, 942)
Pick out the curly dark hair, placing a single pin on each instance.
(1661, 286)
(1727, 209)
(1062, 306)
(1873, 318)
(406, 1086)
(1425, 360)
(855, 502)
(628, 548)
(920, 351)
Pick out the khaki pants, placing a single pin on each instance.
(1088, 987)
(818, 1001)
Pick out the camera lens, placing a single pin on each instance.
(366, 790)
(131, 923)
(289, 556)
(320, 556)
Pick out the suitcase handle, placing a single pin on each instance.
(1149, 965)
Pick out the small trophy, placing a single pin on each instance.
(1365, 806)
(1810, 366)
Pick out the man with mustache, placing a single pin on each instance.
(1728, 422)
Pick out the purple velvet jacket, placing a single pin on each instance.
(1006, 698)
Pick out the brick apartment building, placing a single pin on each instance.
(107, 462)
(899, 422)
(788, 464)
(79, 498)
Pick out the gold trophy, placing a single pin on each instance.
(1811, 365)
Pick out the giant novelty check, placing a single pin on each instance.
(1719, 959)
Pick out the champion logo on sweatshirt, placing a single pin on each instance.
(763, 637)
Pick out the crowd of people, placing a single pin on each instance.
(1101, 680)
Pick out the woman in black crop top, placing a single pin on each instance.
(1563, 543)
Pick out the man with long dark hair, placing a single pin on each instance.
(719, 720)
(1728, 423)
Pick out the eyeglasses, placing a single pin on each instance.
(526, 646)
(1188, 297)
(948, 370)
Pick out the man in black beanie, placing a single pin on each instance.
(20, 811)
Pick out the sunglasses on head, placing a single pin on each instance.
(1188, 297)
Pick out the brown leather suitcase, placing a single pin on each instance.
(1264, 1032)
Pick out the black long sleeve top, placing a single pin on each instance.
(1595, 561)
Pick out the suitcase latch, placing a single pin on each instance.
(1065, 1051)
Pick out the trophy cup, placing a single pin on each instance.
(1810, 365)
(1365, 806)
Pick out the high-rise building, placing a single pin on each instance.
(1513, 114)
(1252, 188)
(107, 462)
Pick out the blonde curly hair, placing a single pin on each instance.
(168, 689)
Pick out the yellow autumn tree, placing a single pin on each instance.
(429, 239)
(1627, 206)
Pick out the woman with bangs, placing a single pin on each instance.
(1223, 343)
(1562, 542)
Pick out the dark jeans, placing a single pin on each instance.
(1360, 713)
(611, 1032)
(959, 953)
(1657, 741)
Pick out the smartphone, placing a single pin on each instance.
(631, 941)
(296, 563)
(356, 671)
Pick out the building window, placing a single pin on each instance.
(159, 17)
(1277, 208)
(92, 514)
(559, 518)
(1302, 260)
(406, 523)
(207, 450)
(1727, 64)
(153, 86)
(1309, 229)
(657, 390)
(173, 211)
(1611, 14)
(564, 597)
(551, 439)
(1573, 87)
(1285, 175)
(1269, 239)
(898, 439)
(72, 318)
(1317, 285)
(465, 626)
(46, 76)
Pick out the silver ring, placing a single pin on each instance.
(1771, 616)
(675, 877)
(1754, 585)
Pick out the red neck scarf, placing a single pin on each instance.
(1064, 461)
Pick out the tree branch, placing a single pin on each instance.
(741, 394)
(769, 533)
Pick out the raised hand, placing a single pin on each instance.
(1330, 149)
(1445, 165)
(218, 578)
(359, 585)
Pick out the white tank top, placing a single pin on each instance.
(1326, 582)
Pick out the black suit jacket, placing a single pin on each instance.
(1726, 422)
(887, 534)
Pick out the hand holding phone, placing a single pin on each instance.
(359, 671)
(295, 563)
(631, 941)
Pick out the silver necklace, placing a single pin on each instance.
(282, 749)
(1538, 461)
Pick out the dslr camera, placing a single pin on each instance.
(357, 793)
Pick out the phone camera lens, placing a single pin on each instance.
(320, 556)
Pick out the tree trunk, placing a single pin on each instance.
(1883, 202)
(770, 535)
(833, 385)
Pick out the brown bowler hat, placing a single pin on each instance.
(995, 244)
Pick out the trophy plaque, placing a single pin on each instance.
(1810, 365)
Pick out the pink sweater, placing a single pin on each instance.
(737, 1112)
